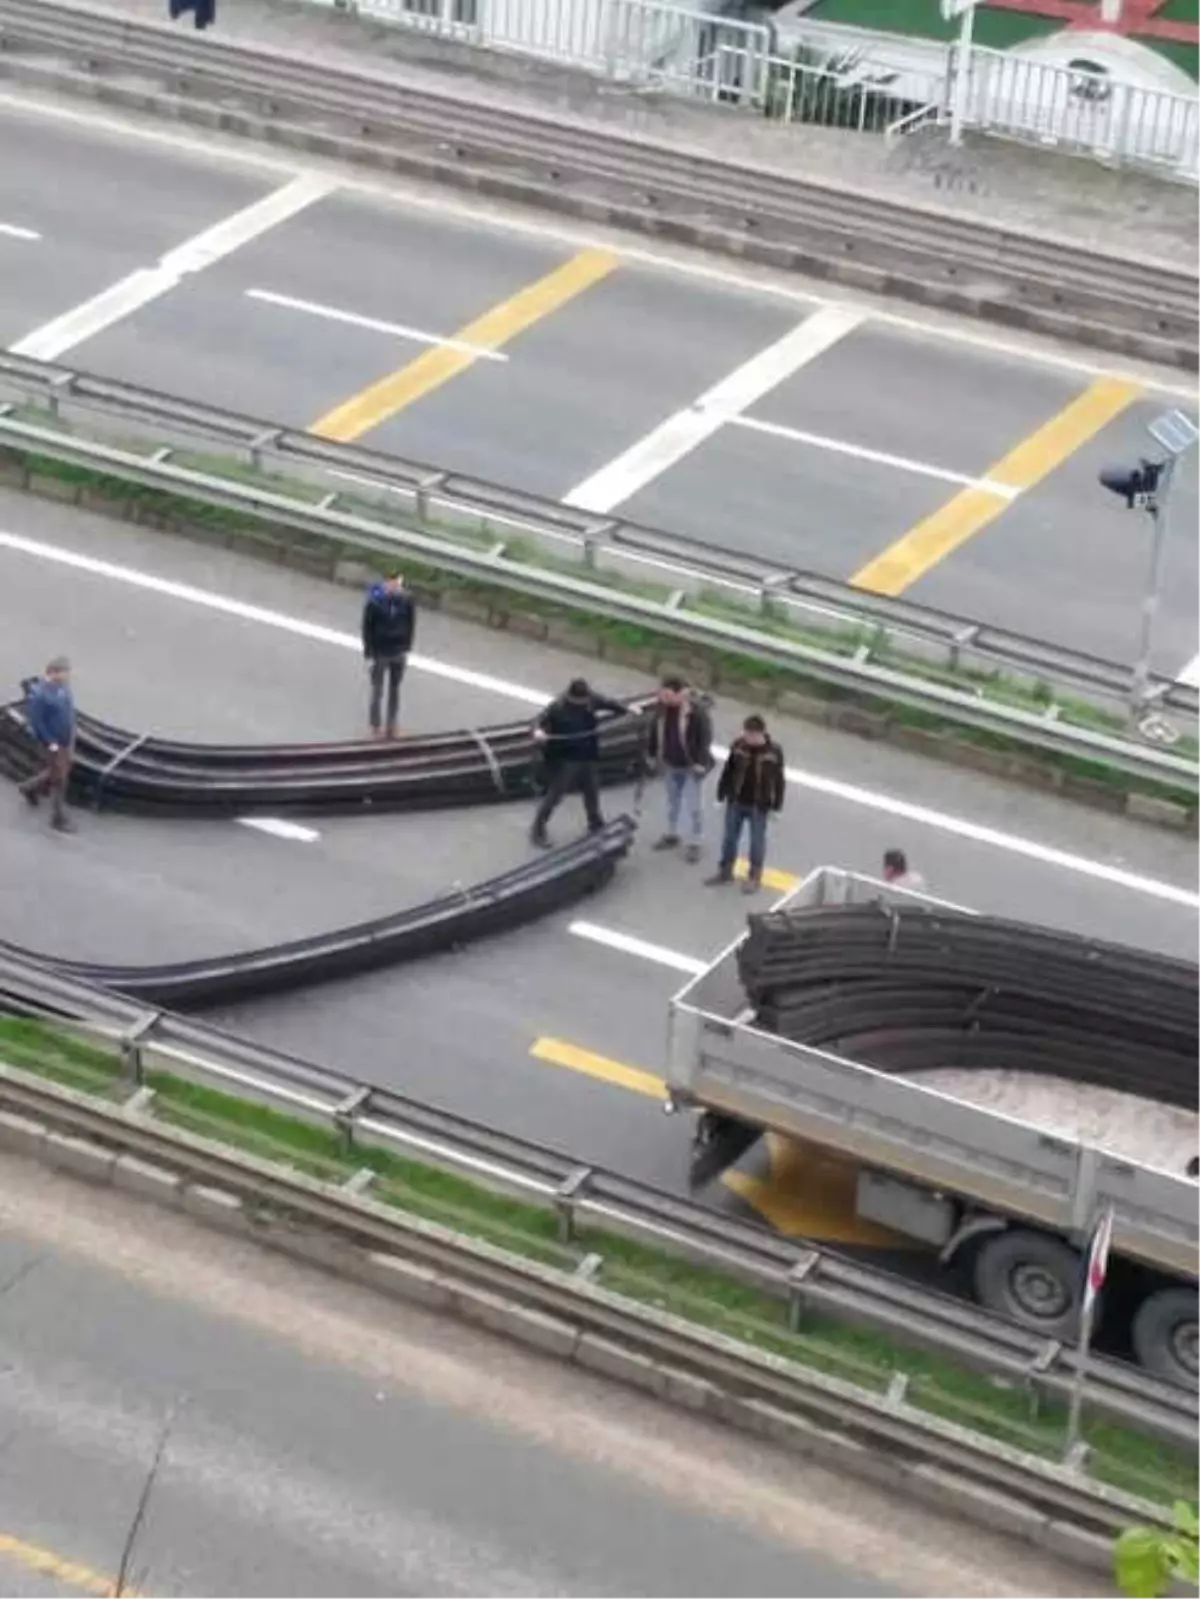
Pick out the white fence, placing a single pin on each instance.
(640, 41)
(1087, 112)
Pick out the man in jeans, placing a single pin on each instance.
(680, 746)
(751, 785)
(567, 733)
(389, 625)
(50, 711)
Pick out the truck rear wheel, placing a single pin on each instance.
(1164, 1335)
(1032, 1279)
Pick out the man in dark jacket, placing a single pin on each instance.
(751, 785)
(50, 712)
(680, 746)
(389, 625)
(567, 733)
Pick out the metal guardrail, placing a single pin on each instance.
(438, 500)
(796, 1272)
(1135, 307)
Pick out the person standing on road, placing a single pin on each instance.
(751, 785)
(680, 746)
(389, 626)
(567, 733)
(896, 871)
(50, 711)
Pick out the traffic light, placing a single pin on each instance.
(1135, 484)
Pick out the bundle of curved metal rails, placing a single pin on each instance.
(543, 884)
(137, 772)
(911, 988)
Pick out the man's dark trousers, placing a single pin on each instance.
(52, 780)
(389, 669)
(561, 778)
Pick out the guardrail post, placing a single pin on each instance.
(568, 1191)
(345, 1113)
(259, 443)
(593, 535)
(962, 640)
(588, 1268)
(797, 1276)
(60, 380)
(131, 1042)
(425, 486)
(1038, 1367)
(139, 1102)
(897, 1390)
(768, 587)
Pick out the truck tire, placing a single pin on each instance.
(1030, 1278)
(1164, 1335)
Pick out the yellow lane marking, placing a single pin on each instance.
(781, 882)
(557, 1053)
(48, 1564)
(808, 1193)
(939, 535)
(493, 329)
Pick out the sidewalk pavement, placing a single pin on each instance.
(1011, 185)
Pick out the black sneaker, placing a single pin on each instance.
(32, 799)
(717, 879)
(63, 824)
(667, 841)
(539, 839)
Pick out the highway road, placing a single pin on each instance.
(556, 1031)
(285, 1433)
(924, 458)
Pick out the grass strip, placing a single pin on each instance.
(865, 1357)
(635, 644)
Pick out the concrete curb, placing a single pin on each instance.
(340, 562)
(27, 1138)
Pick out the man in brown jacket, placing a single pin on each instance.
(751, 784)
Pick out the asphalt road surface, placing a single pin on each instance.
(286, 1433)
(920, 458)
(556, 1031)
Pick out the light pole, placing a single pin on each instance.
(1147, 487)
(964, 9)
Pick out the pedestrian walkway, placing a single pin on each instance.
(1008, 184)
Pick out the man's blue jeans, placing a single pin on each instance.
(683, 789)
(736, 818)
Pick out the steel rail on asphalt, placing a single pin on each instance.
(932, 257)
(969, 707)
(796, 1271)
(118, 770)
(475, 910)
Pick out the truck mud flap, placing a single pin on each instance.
(719, 1143)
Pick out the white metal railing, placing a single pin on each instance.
(1085, 111)
(642, 41)
(849, 91)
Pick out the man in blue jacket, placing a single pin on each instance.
(389, 626)
(50, 712)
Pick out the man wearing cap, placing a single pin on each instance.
(50, 712)
(567, 733)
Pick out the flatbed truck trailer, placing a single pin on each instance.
(1006, 1203)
